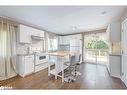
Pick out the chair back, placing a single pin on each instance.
(74, 59)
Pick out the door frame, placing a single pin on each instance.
(96, 50)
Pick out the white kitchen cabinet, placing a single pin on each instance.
(24, 34)
(114, 65)
(113, 32)
(41, 67)
(60, 40)
(25, 64)
(36, 32)
(124, 69)
(114, 58)
(72, 41)
(75, 42)
(124, 51)
(66, 39)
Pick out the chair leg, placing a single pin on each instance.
(70, 78)
(76, 72)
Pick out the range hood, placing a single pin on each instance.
(37, 37)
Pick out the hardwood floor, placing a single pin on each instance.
(93, 77)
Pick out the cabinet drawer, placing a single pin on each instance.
(41, 67)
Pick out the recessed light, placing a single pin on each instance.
(103, 12)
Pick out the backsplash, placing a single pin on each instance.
(22, 48)
(35, 46)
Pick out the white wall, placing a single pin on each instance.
(124, 16)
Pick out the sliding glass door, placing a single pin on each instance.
(95, 48)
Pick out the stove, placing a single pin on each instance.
(40, 58)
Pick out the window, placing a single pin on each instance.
(52, 44)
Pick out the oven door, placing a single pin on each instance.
(40, 59)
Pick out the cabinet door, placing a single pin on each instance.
(115, 66)
(115, 32)
(64, 41)
(29, 64)
(37, 32)
(124, 69)
(41, 33)
(124, 51)
(67, 39)
(24, 34)
(124, 38)
(60, 40)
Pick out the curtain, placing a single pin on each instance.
(7, 50)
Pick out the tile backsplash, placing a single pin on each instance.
(37, 47)
(30, 48)
(22, 48)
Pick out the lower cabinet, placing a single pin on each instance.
(25, 65)
(41, 66)
(114, 65)
(124, 68)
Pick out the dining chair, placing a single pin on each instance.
(71, 73)
(76, 72)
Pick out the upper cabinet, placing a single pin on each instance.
(124, 37)
(25, 33)
(36, 32)
(113, 32)
(66, 39)
(60, 40)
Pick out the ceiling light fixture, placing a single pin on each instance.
(103, 13)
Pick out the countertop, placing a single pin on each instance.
(61, 53)
(114, 54)
(30, 54)
(25, 54)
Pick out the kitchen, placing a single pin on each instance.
(32, 52)
(61, 55)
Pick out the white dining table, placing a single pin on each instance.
(59, 64)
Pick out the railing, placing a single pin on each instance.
(96, 55)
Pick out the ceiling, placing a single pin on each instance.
(65, 19)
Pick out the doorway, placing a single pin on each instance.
(96, 48)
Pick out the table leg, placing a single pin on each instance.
(49, 66)
(56, 68)
(62, 70)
